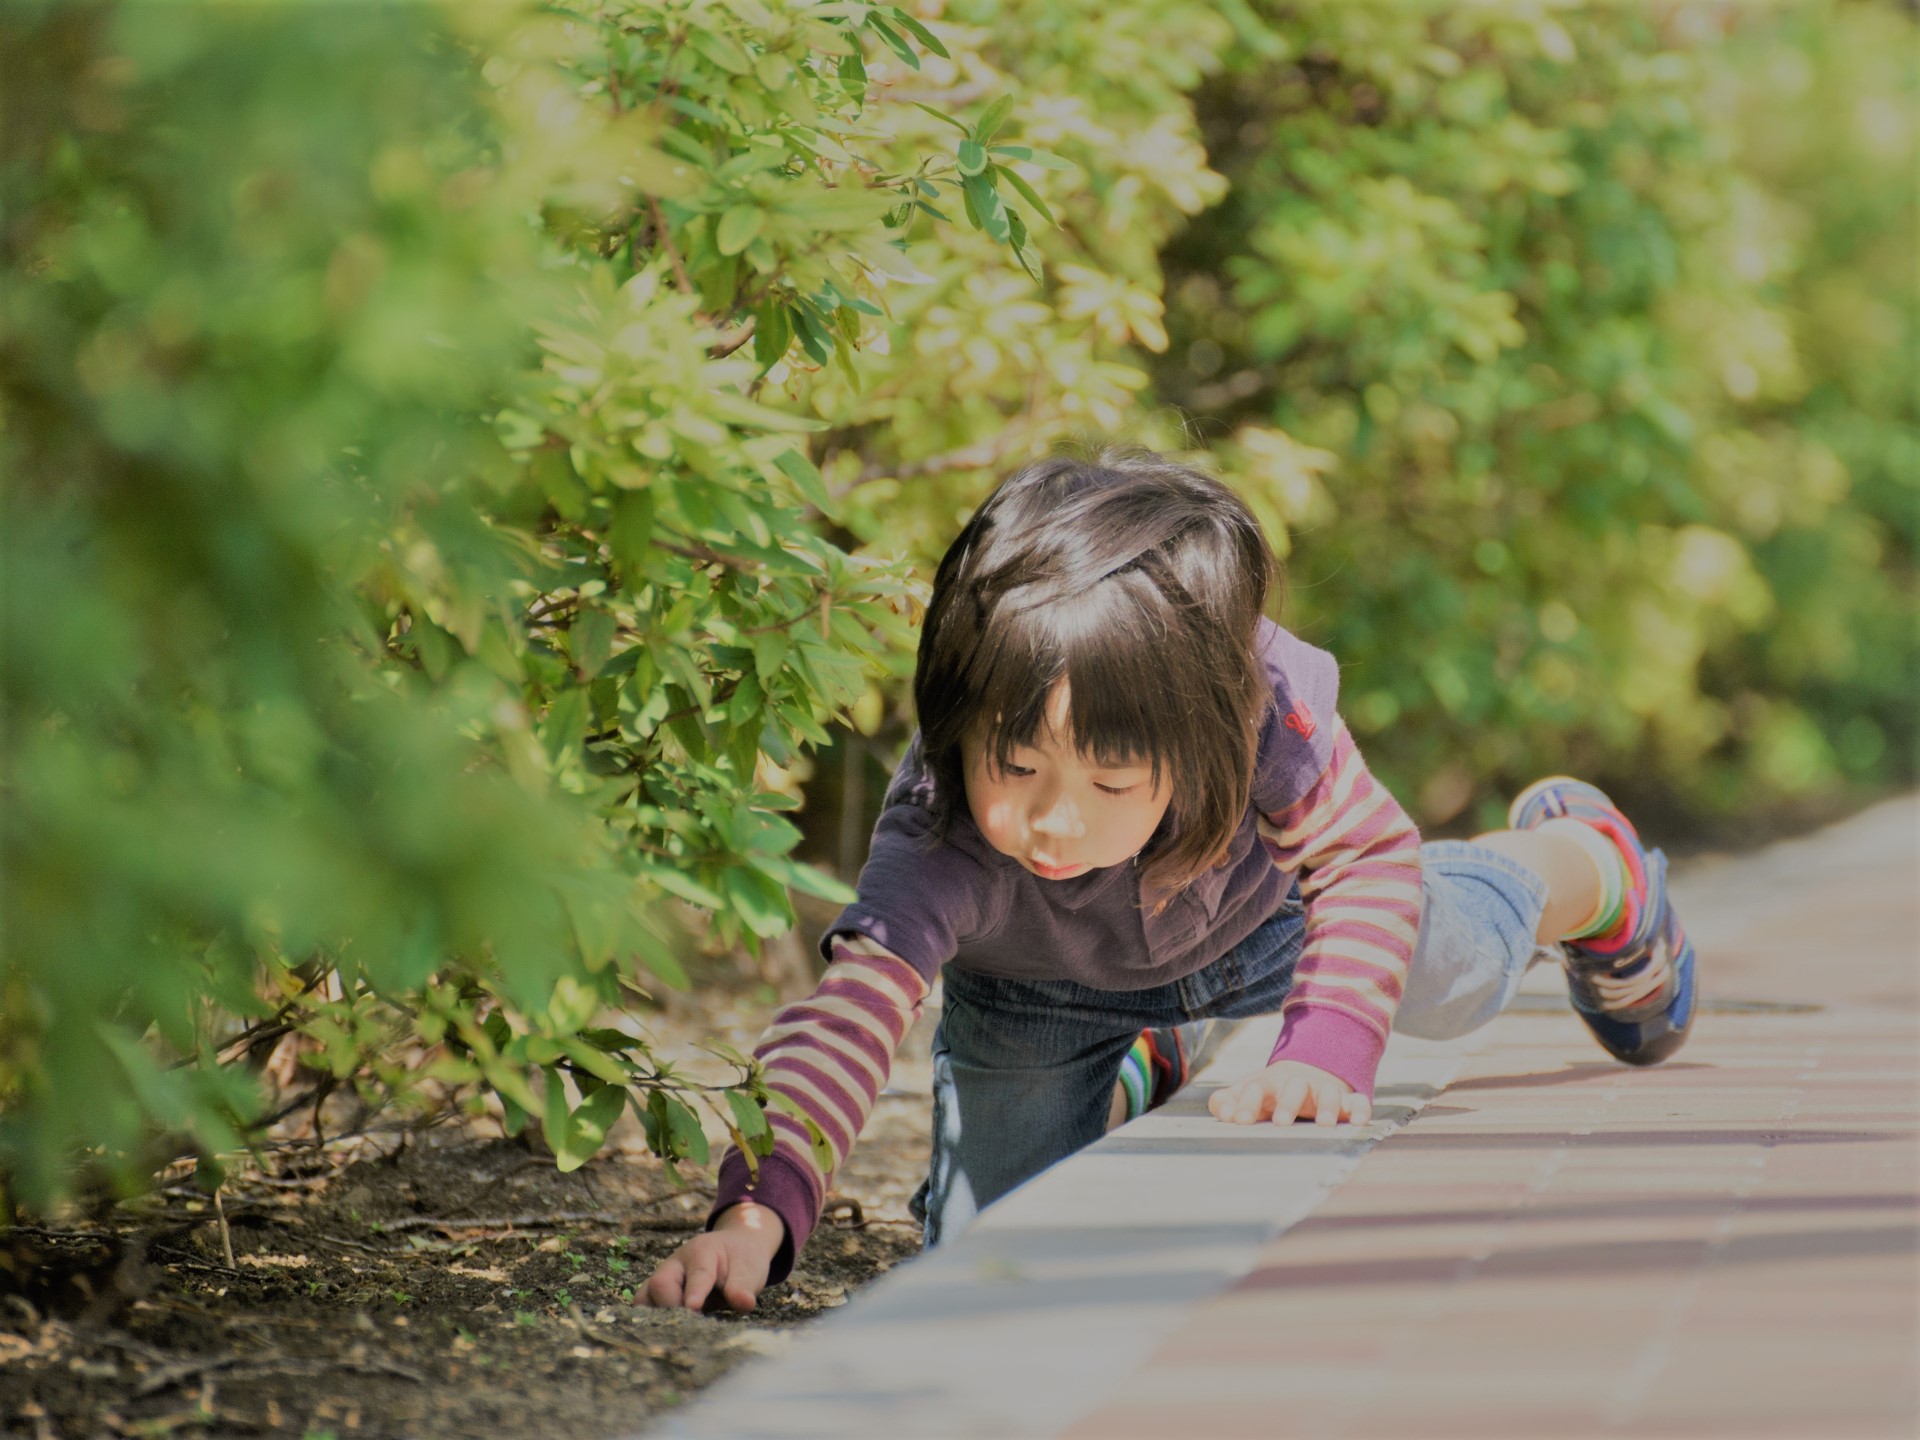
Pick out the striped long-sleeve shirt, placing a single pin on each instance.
(1357, 857)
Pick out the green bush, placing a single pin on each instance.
(460, 461)
(260, 303)
(401, 594)
(1571, 360)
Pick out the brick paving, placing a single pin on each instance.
(1561, 1246)
(1549, 1245)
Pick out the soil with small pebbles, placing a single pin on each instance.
(456, 1286)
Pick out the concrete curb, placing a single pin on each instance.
(1066, 1285)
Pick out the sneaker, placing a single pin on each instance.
(1638, 999)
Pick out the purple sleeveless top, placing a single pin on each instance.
(961, 901)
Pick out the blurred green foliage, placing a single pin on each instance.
(404, 575)
(1573, 346)
(460, 460)
(258, 299)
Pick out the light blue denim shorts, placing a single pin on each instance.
(1023, 1070)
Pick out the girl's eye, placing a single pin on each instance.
(1118, 789)
(1019, 772)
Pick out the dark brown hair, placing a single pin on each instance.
(1140, 582)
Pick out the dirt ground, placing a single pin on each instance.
(454, 1286)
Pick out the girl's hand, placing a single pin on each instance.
(731, 1261)
(1287, 1091)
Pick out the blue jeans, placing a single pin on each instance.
(1024, 1070)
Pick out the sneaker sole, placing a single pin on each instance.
(1649, 1039)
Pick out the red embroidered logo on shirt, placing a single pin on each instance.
(1300, 719)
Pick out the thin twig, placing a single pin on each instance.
(169, 1376)
(665, 237)
(702, 553)
(511, 1170)
(971, 457)
(733, 342)
(517, 1222)
(954, 95)
(226, 1234)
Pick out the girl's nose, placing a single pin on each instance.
(1058, 817)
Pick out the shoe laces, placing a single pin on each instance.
(1626, 981)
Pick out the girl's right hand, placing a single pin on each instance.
(730, 1260)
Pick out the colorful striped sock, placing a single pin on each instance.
(1136, 1076)
(1616, 916)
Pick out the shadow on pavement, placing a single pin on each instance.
(1611, 1258)
(1265, 1141)
(1573, 1074)
(1610, 1209)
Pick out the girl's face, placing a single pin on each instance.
(1055, 810)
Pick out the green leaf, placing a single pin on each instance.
(1031, 156)
(655, 1122)
(995, 117)
(941, 116)
(630, 537)
(742, 411)
(1026, 193)
(752, 1122)
(595, 1061)
(689, 1139)
(744, 705)
(806, 479)
(759, 900)
(973, 157)
(822, 1152)
(769, 654)
(512, 1118)
(808, 880)
(895, 41)
(565, 723)
(587, 1127)
(853, 75)
(984, 198)
(737, 228)
(919, 32)
(772, 334)
(678, 882)
(662, 964)
(1017, 237)
(720, 49)
(557, 1123)
(591, 639)
(814, 338)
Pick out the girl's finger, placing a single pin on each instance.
(702, 1275)
(1288, 1103)
(1359, 1108)
(664, 1287)
(1253, 1100)
(1326, 1103)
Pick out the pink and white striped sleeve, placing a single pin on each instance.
(1358, 856)
(830, 1054)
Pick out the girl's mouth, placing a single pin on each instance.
(1054, 872)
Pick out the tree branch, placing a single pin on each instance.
(665, 237)
(733, 342)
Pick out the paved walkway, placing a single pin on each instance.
(1532, 1241)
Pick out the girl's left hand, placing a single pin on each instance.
(1287, 1091)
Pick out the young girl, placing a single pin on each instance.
(1132, 809)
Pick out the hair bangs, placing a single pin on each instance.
(1139, 583)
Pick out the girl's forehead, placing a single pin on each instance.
(1059, 710)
